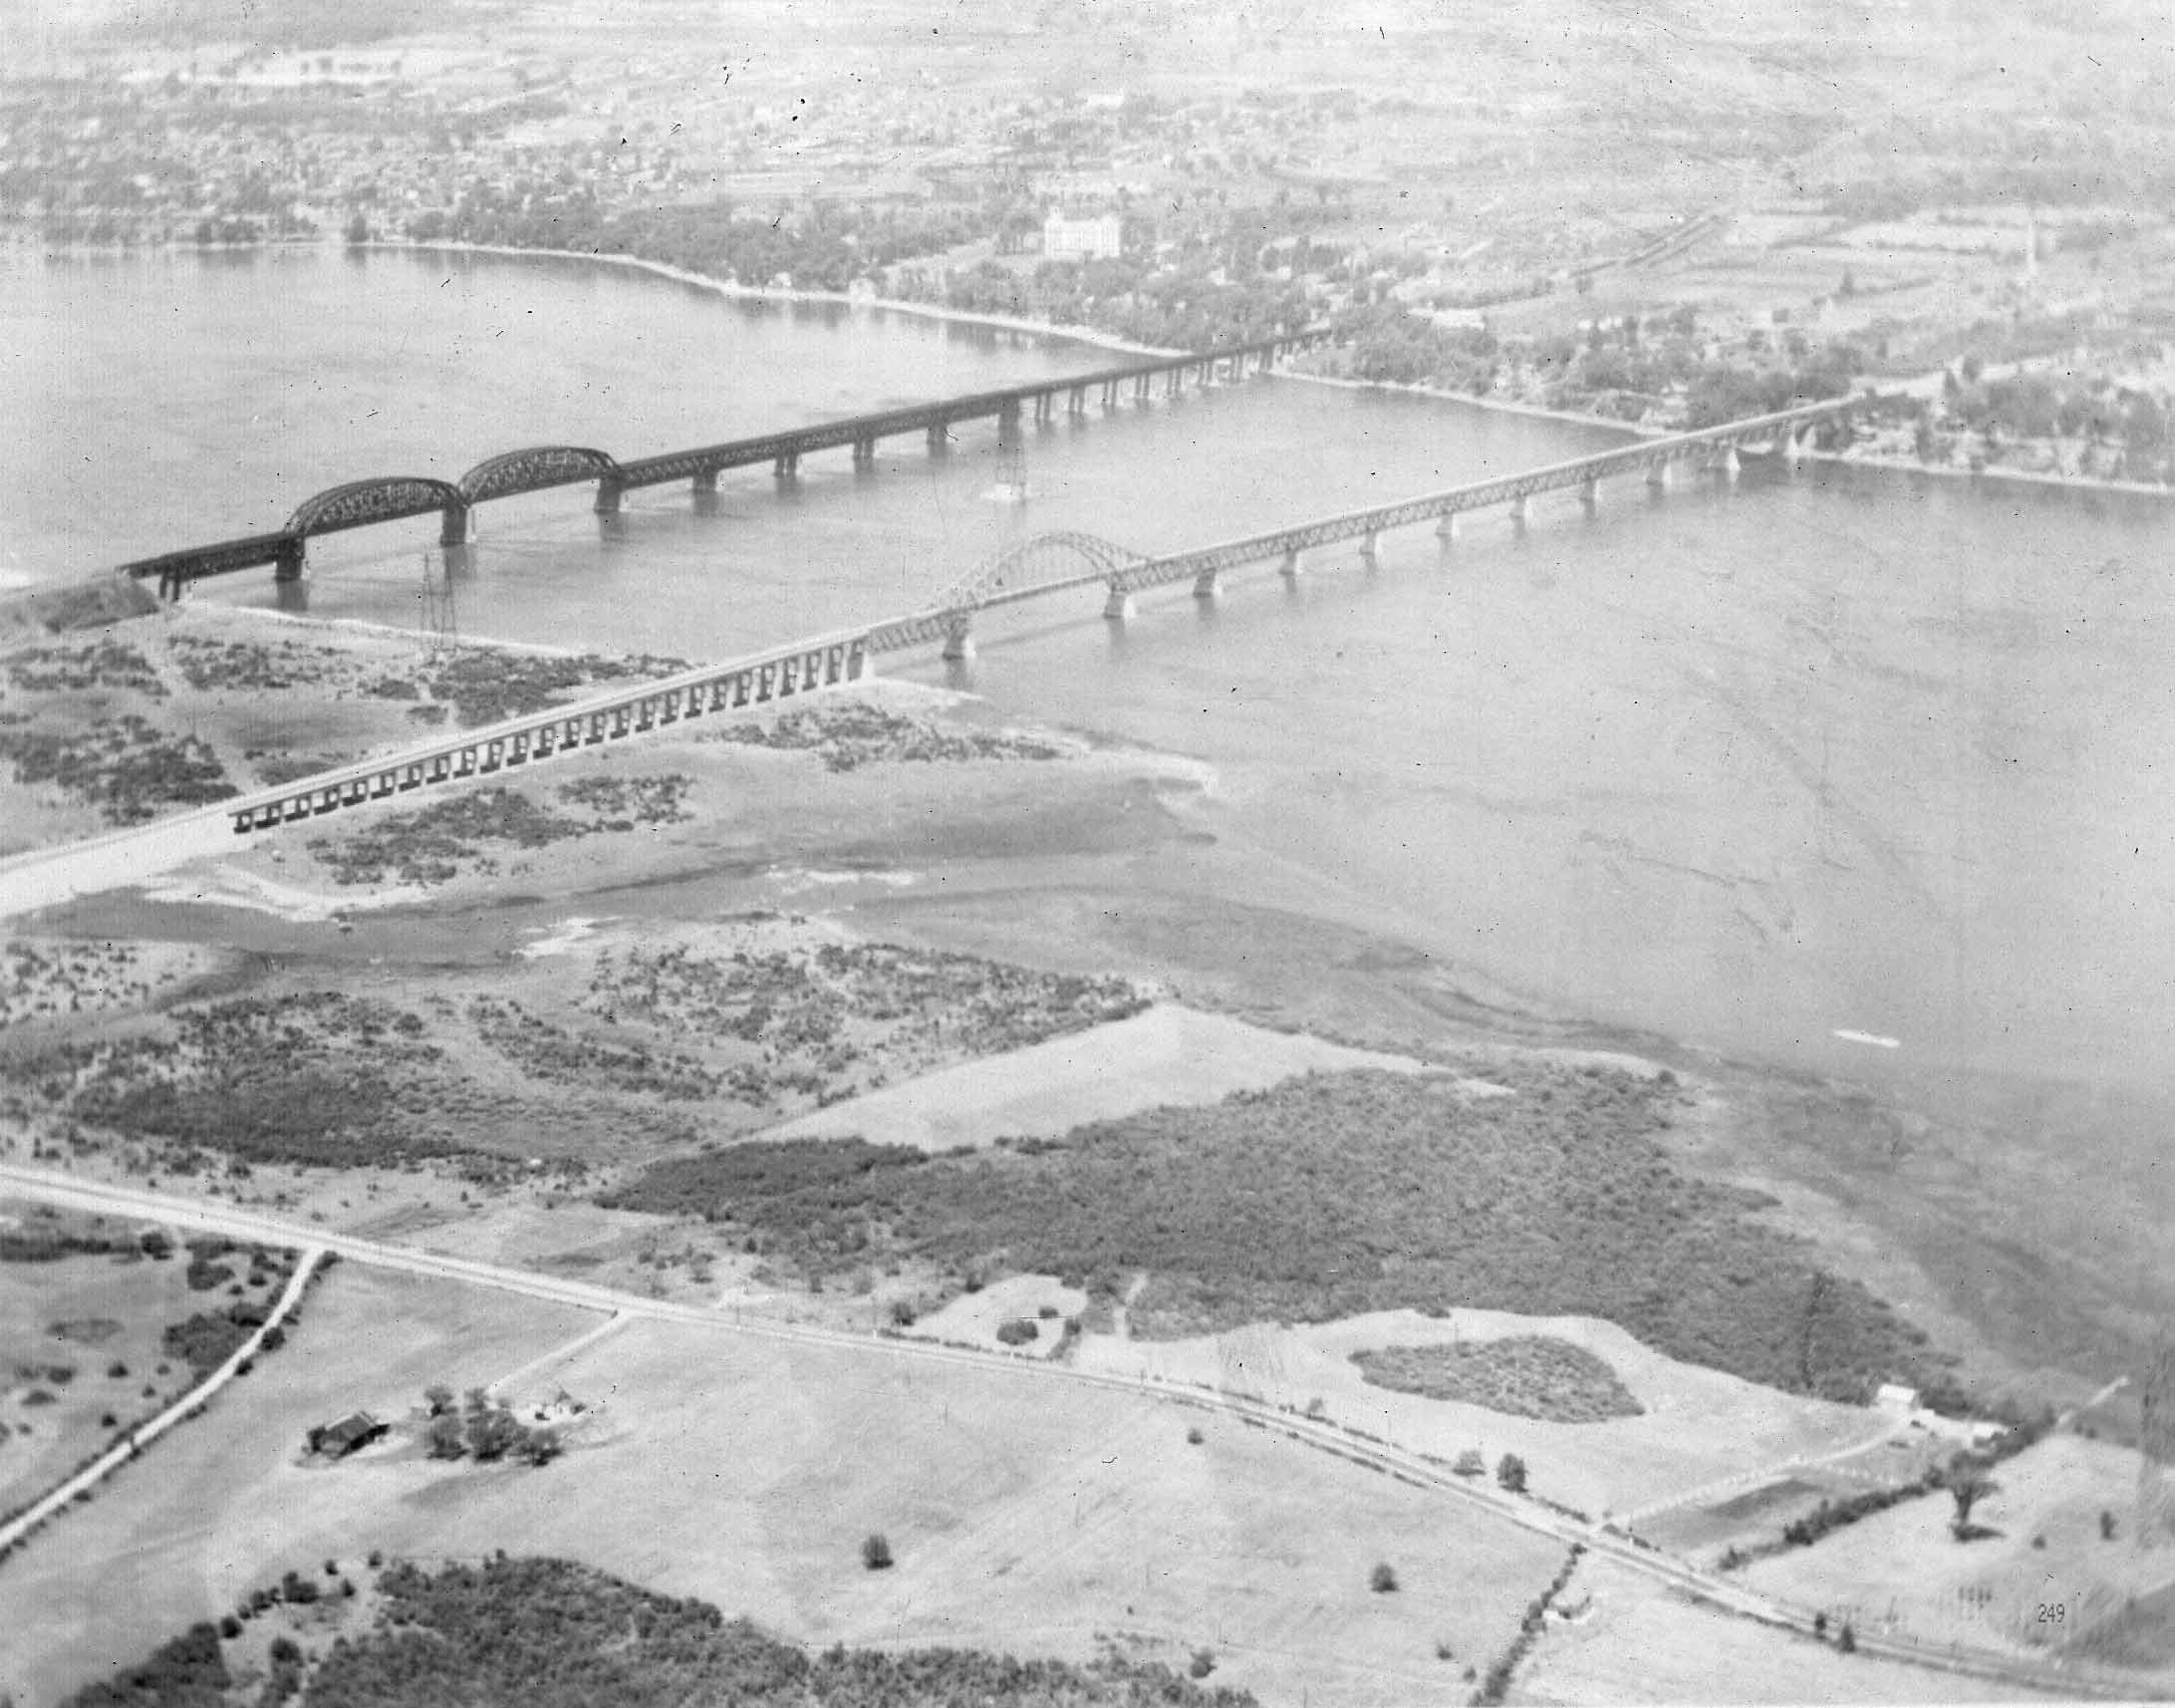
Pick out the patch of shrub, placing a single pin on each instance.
(1525, 1375)
(124, 767)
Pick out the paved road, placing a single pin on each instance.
(187, 1214)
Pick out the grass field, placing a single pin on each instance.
(1696, 1426)
(1637, 1641)
(1169, 1055)
(1028, 1514)
(212, 1510)
(85, 1318)
(2041, 1579)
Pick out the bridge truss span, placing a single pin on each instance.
(533, 469)
(359, 503)
(1035, 566)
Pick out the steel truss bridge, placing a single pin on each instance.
(1045, 565)
(398, 497)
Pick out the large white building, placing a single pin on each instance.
(1097, 238)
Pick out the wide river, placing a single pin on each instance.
(1754, 765)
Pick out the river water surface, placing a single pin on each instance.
(1842, 768)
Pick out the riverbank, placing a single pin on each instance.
(1474, 399)
(734, 291)
(2008, 477)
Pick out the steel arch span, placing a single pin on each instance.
(361, 502)
(533, 469)
(1036, 562)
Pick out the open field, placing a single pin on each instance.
(1026, 1513)
(1633, 1641)
(2043, 1576)
(82, 1340)
(1169, 1055)
(1697, 1426)
(208, 1514)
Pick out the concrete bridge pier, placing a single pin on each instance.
(864, 454)
(1367, 553)
(1076, 400)
(453, 523)
(940, 438)
(703, 485)
(1521, 511)
(1290, 567)
(1209, 584)
(1446, 528)
(1118, 608)
(1110, 393)
(1140, 390)
(609, 492)
(1725, 462)
(289, 565)
(1589, 494)
(959, 638)
(788, 467)
(1657, 477)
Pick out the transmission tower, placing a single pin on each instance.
(2156, 1445)
(441, 623)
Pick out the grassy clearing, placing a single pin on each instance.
(1525, 1375)
(49, 979)
(1342, 1194)
(101, 1328)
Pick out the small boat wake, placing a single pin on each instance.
(1873, 1039)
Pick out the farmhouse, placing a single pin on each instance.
(346, 1435)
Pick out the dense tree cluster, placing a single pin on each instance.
(547, 1633)
(1341, 1194)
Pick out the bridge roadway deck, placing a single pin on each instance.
(973, 405)
(366, 502)
(1648, 456)
(843, 655)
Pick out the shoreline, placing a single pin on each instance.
(1472, 399)
(734, 292)
(2016, 476)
